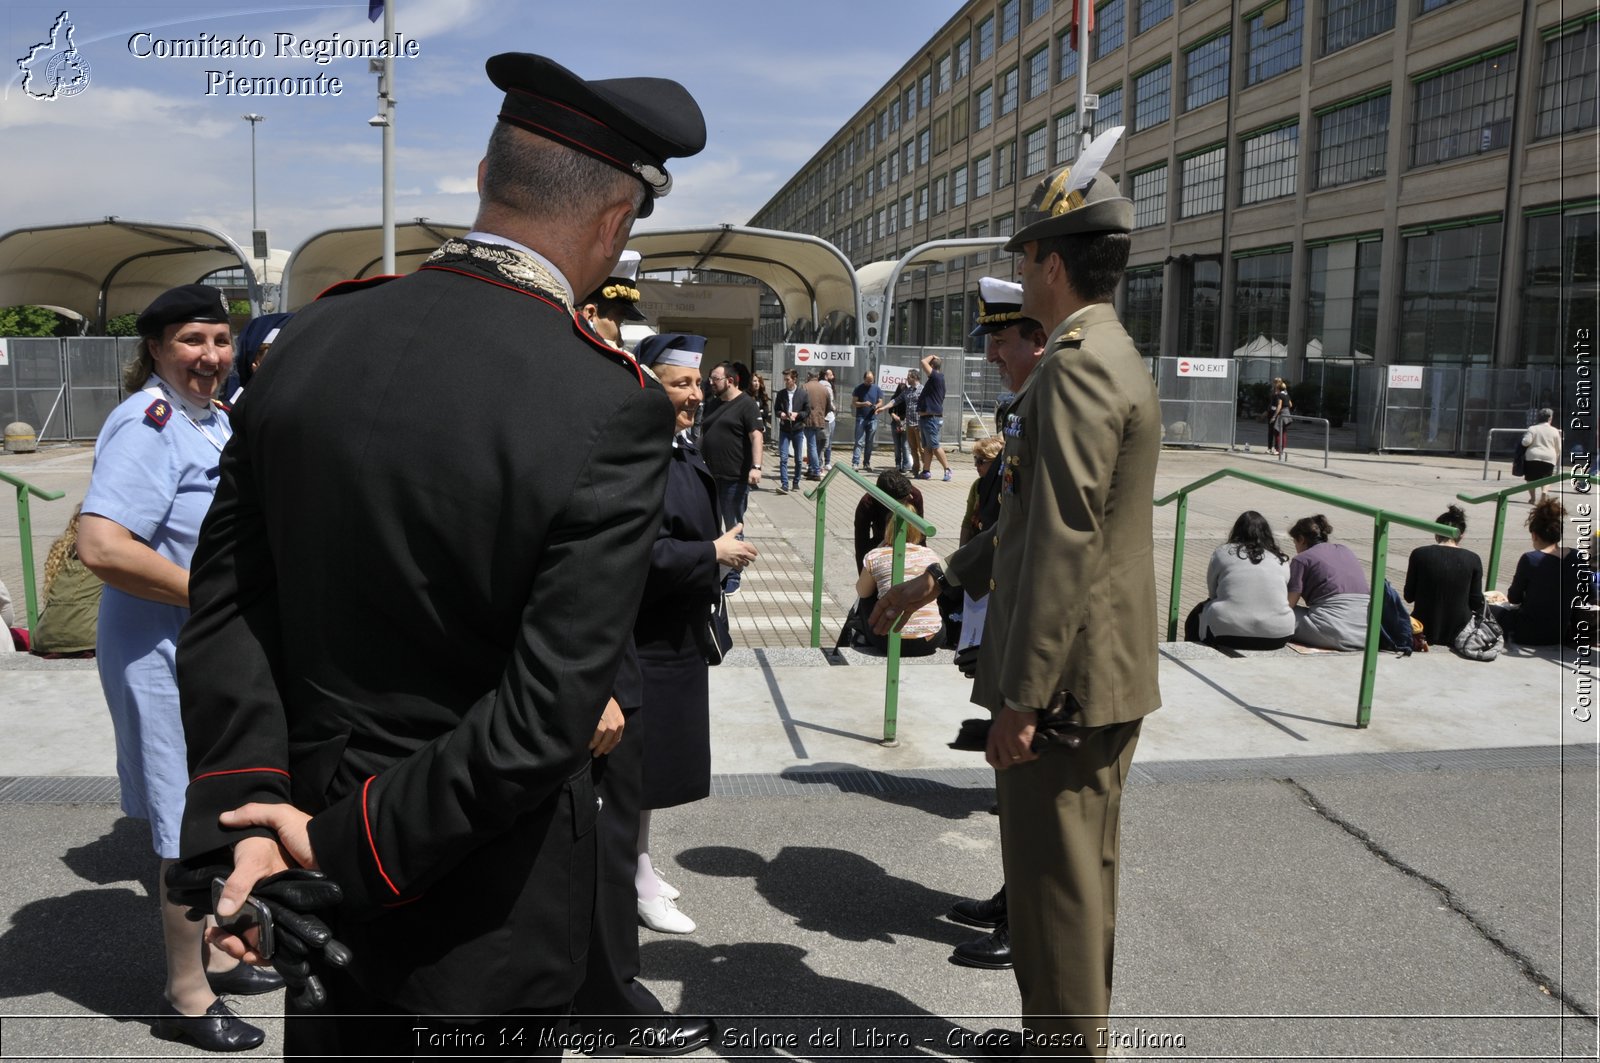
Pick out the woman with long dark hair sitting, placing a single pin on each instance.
(1335, 591)
(1445, 582)
(1247, 583)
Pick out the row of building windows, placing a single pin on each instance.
(1462, 110)
(1448, 290)
(1458, 110)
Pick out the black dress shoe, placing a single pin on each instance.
(992, 953)
(666, 1035)
(218, 1030)
(984, 914)
(245, 980)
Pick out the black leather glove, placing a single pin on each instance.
(967, 661)
(289, 897)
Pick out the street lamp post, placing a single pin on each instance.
(255, 227)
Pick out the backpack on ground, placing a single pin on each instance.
(1394, 626)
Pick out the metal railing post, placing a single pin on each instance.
(902, 518)
(1501, 499)
(1177, 566)
(1369, 653)
(891, 684)
(816, 564)
(30, 593)
(1488, 445)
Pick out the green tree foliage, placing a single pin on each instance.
(123, 325)
(28, 321)
(239, 307)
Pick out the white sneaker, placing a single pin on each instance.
(667, 889)
(663, 916)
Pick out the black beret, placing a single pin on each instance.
(187, 302)
(634, 124)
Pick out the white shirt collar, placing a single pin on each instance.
(506, 241)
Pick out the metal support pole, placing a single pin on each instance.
(388, 139)
(1369, 655)
(819, 541)
(891, 686)
(30, 594)
(1177, 567)
(1499, 534)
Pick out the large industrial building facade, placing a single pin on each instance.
(1359, 181)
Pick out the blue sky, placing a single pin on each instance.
(144, 141)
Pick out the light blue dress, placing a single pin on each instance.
(157, 480)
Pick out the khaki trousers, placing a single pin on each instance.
(1060, 819)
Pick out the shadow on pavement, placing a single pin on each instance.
(835, 892)
(924, 795)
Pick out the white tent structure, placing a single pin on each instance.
(336, 255)
(101, 269)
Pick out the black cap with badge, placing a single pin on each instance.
(634, 124)
(185, 303)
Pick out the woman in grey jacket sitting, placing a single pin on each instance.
(1248, 582)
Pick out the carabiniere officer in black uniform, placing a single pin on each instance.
(408, 613)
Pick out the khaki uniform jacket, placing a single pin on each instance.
(1069, 568)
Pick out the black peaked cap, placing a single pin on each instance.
(634, 124)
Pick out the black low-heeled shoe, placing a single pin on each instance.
(245, 980)
(218, 1030)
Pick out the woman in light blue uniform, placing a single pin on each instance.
(155, 472)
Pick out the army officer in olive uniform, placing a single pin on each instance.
(1068, 660)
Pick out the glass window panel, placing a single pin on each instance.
(1206, 72)
(1067, 65)
(1067, 137)
(1151, 12)
(981, 176)
(1150, 198)
(1010, 19)
(940, 188)
(958, 122)
(943, 78)
(1261, 297)
(1035, 151)
(1449, 293)
(1038, 9)
(1559, 284)
(1342, 299)
(1142, 309)
(1110, 112)
(1464, 112)
(1347, 22)
(1008, 91)
(1039, 72)
(963, 57)
(985, 38)
(1425, 6)
(1110, 27)
(1567, 81)
(1352, 143)
(925, 90)
(1200, 307)
(1271, 165)
(985, 106)
(1152, 97)
(958, 186)
(1005, 164)
(1272, 40)
(1202, 182)
(922, 148)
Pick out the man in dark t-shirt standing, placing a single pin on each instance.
(730, 441)
(930, 412)
(865, 401)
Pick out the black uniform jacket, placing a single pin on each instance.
(410, 599)
(684, 581)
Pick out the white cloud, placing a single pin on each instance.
(456, 186)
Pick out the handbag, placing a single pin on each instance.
(718, 640)
(1479, 640)
(1519, 459)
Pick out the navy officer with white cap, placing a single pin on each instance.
(616, 301)
(399, 653)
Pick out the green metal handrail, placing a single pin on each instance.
(1502, 498)
(25, 530)
(897, 571)
(1381, 519)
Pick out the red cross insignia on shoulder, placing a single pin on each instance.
(158, 412)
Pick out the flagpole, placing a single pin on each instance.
(1085, 119)
(388, 138)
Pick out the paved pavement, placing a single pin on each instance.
(1293, 887)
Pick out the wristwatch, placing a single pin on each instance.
(936, 570)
